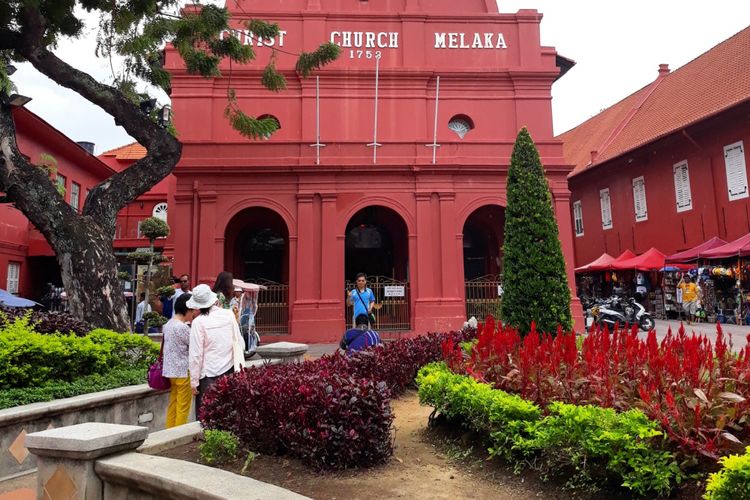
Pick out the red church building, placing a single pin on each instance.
(666, 167)
(392, 162)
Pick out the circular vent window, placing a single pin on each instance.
(160, 211)
(461, 125)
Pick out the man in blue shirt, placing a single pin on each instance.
(361, 298)
(360, 337)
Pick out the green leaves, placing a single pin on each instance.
(153, 228)
(310, 61)
(218, 447)
(588, 442)
(732, 482)
(534, 279)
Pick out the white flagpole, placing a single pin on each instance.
(375, 145)
(434, 144)
(317, 144)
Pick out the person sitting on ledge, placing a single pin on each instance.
(360, 337)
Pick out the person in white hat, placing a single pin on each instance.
(216, 347)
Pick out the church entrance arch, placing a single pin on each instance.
(257, 251)
(483, 260)
(377, 244)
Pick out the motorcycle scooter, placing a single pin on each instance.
(636, 314)
(605, 313)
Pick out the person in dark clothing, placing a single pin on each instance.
(360, 337)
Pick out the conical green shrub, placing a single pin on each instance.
(534, 280)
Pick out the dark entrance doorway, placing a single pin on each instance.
(482, 246)
(257, 251)
(377, 244)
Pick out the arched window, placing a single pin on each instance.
(160, 211)
(461, 125)
(278, 123)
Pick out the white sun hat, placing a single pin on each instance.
(202, 298)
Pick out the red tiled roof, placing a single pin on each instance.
(717, 80)
(132, 151)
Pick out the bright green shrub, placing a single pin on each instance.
(593, 444)
(732, 482)
(28, 358)
(55, 389)
(599, 442)
(218, 447)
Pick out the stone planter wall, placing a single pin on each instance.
(133, 405)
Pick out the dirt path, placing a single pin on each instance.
(417, 470)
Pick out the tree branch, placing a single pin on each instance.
(164, 151)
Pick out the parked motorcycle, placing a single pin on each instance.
(636, 314)
(613, 311)
(606, 313)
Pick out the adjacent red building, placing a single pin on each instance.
(27, 262)
(666, 167)
(376, 167)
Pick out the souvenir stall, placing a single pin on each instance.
(641, 273)
(729, 272)
(597, 279)
(692, 258)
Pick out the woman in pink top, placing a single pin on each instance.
(216, 348)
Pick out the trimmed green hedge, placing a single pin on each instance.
(732, 482)
(31, 359)
(57, 389)
(591, 445)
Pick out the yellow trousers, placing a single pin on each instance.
(180, 399)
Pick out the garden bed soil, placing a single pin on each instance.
(438, 462)
(424, 465)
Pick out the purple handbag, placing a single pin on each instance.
(155, 379)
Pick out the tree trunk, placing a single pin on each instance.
(89, 273)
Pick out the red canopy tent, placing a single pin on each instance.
(597, 265)
(626, 255)
(650, 260)
(737, 248)
(696, 252)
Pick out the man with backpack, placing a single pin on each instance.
(360, 337)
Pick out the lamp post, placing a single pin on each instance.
(165, 115)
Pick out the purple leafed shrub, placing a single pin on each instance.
(333, 412)
(47, 322)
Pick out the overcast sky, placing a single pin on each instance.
(617, 47)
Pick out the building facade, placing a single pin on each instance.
(391, 161)
(666, 167)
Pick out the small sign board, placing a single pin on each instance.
(393, 291)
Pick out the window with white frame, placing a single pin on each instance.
(14, 274)
(138, 231)
(639, 199)
(734, 160)
(75, 195)
(578, 217)
(606, 205)
(61, 180)
(682, 193)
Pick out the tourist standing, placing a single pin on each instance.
(216, 348)
(362, 299)
(224, 288)
(175, 362)
(689, 297)
(184, 282)
(141, 309)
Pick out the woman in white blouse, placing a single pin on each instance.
(216, 348)
(175, 362)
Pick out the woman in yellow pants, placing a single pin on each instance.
(175, 362)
